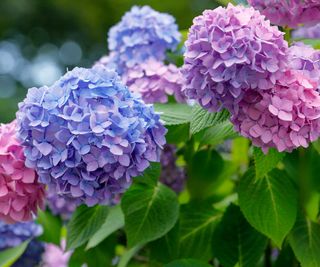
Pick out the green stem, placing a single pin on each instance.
(287, 35)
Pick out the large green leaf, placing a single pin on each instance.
(305, 242)
(269, 203)
(166, 248)
(114, 221)
(173, 113)
(197, 223)
(216, 134)
(266, 163)
(236, 242)
(84, 223)
(202, 119)
(150, 175)
(187, 263)
(51, 227)
(11, 255)
(150, 212)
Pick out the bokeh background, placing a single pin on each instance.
(41, 39)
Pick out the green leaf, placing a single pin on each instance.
(114, 222)
(235, 241)
(127, 256)
(265, 163)
(166, 248)
(11, 255)
(269, 203)
(197, 223)
(173, 113)
(101, 255)
(216, 134)
(202, 176)
(313, 42)
(150, 175)
(177, 133)
(286, 257)
(51, 227)
(304, 240)
(201, 119)
(187, 263)
(150, 212)
(84, 223)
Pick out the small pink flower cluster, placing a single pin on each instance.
(20, 192)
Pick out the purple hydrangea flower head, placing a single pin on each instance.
(228, 51)
(289, 13)
(155, 81)
(305, 59)
(286, 117)
(141, 34)
(12, 235)
(61, 206)
(32, 256)
(172, 175)
(307, 32)
(87, 135)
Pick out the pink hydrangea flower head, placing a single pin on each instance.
(286, 117)
(54, 256)
(20, 192)
(155, 81)
(228, 51)
(289, 13)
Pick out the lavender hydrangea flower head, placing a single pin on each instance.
(141, 34)
(12, 235)
(305, 59)
(61, 206)
(307, 32)
(155, 81)
(285, 118)
(289, 12)
(228, 51)
(172, 175)
(88, 136)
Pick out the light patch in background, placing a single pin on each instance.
(70, 53)
(7, 86)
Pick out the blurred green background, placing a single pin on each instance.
(41, 39)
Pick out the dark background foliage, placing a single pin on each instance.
(41, 39)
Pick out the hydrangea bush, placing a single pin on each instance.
(149, 163)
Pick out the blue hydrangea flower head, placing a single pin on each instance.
(12, 235)
(87, 135)
(142, 33)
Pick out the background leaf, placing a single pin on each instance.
(265, 163)
(11, 255)
(269, 203)
(101, 255)
(84, 223)
(305, 242)
(201, 119)
(114, 221)
(150, 212)
(173, 113)
(197, 224)
(187, 263)
(51, 227)
(235, 241)
(203, 171)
